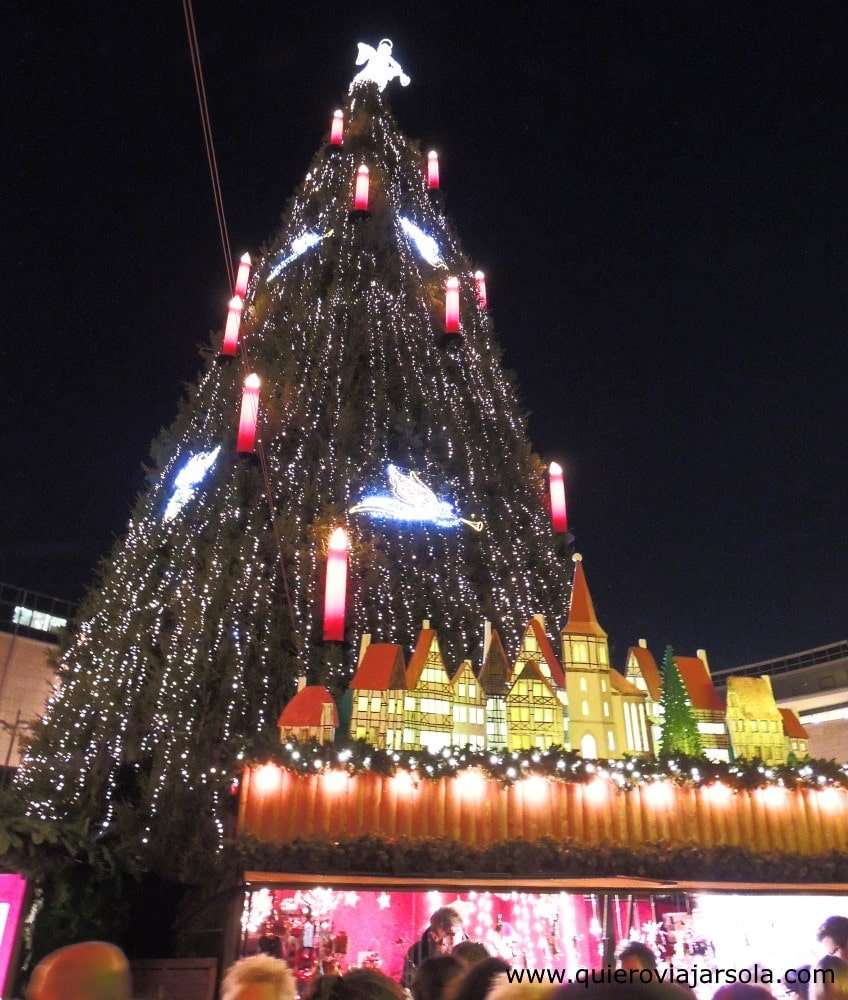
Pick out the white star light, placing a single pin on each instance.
(384, 901)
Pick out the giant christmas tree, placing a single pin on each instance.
(211, 603)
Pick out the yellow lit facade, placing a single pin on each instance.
(534, 712)
(377, 692)
(469, 709)
(754, 720)
(428, 699)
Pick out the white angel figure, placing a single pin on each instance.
(411, 500)
(379, 66)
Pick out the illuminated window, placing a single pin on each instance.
(376, 704)
(459, 714)
(606, 710)
(537, 714)
(434, 741)
(610, 741)
(472, 690)
(549, 715)
(754, 726)
(584, 684)
(603, 656)
(580, 652)
(392, 706)
(360, 732)
(408, 736)
(461, 689)
(603, 686)
(435, 706)
(362, 703)
(479, 715)
(584, 707)
(525, 713)
(37, 619)
(409, 704)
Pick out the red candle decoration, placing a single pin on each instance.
(231, 330)
(360, 196)
(433, 170)
(480, 281)
(452, 321)
(559, 517)
(337, 128)
(335, 589)
(243, 274)
(246, 441)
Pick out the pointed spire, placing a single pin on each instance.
(582, 619)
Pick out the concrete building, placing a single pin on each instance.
(30, 624)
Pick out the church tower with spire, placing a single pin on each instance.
(588, 684)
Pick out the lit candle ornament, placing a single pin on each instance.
(452, 321)
(480, 283)
(337, 128)
(231, 330)
(336, 587)
(433, 170)
(245, 265)
(360, 195)
(246, 440)
(559, 518)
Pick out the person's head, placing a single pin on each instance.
(477, 979)
(503, 989)
(358, 984)
(90, 970)
(830, 979)
(635, 955)
(833, 934)
(260, 977)
(470, 952)
(434, 976)
(742, 991)
(799, 990)
(445, 928)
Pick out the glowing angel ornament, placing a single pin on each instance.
(379, 66)
(411, 500)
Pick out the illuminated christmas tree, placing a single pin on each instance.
(383, 407)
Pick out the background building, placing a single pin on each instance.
(30, 624)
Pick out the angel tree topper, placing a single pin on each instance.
(379, 66)
(411, 500)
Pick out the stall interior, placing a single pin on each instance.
(322, 930)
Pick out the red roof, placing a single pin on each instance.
(380, 669)
(582, 619)
(649, 670)
(547, 651)
(622, 685)
(792, 726)
(495, 674)
(698, 683)
(306, 708)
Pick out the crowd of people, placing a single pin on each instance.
(442, 965)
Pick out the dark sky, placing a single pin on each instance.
(656, 191)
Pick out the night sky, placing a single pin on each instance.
(656, 191)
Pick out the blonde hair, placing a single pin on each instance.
(259, 970)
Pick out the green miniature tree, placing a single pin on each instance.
(679, 728)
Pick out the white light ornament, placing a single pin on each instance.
(379, 66)
(426, 246)
(411, 500)
(187, 480)
(299, 246)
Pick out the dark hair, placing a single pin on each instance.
(478, 979)
(635, 949)
(433, 975)
(470, 952)
(799, 988)
(836, 928)
(742, 991)
(444, 918)
(358, 984)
